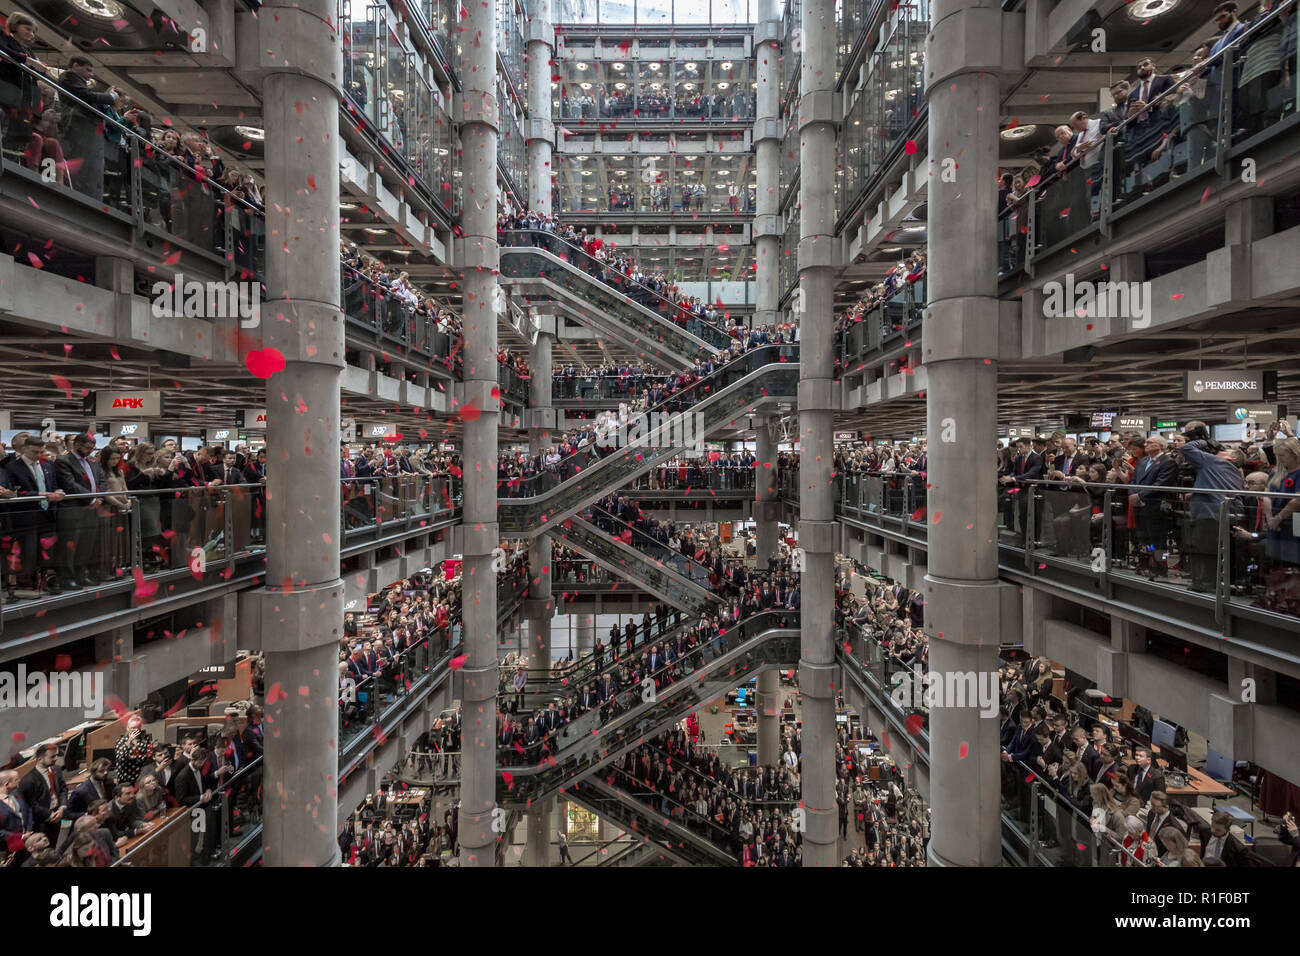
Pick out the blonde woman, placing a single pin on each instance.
(1283, 546)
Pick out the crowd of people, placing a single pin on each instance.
(602, 260)
(65, 507)
(1163, 124)
(44, 822)
(747, 811)
(93, 137)
(615, 104)
(1114, 784)
(1159, 531)
(372, 837)
(374, 652)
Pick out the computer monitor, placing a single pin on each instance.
(1133, 736)
(1162, 734)
(1217, 766)
(1175, 758)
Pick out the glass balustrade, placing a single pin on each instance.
(125, 542)
(660, 579)
(532, 254)
(719, 399)
(220, 832)
(709, 670)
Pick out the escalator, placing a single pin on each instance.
(544, 685)
(657, 577)
(617, 805)
(541, 265)
(535, 505)
(766, 640)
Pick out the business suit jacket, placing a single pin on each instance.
(18, 477)
(13, 824)
(1153, 780)
(1161, 470)
(187, 789)
(71, 477)
(124, 821)
(1027, 467)
(36, 792)
(80, 799)
(1232, 854)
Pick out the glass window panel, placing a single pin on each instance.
(575, 11)
(654, 82)
(691, 11)
(654, 11)
(730, 11)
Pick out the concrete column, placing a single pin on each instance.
(478, 262)
(766, 530)
(767, 160)
(817, 118)
(540, 607)
(962, 615)
(300, 610)
(539, 136)
(537, 851)
(586, 631)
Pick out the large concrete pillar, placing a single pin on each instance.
(817, 118)
(767, 162)
(478, 261)
(537, 851)
(963, 58)
(539, 131)
(766, 531)
(300, 609)
(586, 632)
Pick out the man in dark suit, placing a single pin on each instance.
(1026, 466)
(1147, 777)
(15, 815)
(1116, 115)
(27, 476)
(98, 786)
(124, 816)
(1156, 468)
(45, 792)
(78, 519)
(1147, 87)
(254, 742)
(1221, 844)
(191, 785)
(1159, 817)
(82, 132)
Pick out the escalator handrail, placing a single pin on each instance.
(627, 715)
(662, 407)
(672, 307)
(584, 528)
(639, 535)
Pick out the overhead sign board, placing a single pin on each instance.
(846, 436)
(1022, 432)
(221, 436)
(132, 405)
(1101, 419)
(1163, 423)
(135, 431)
(1131, 423)
(384, 430)
(1229, 385)
(254, 418)
(1252, 412)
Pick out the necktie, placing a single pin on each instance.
(54, 791)
(39, 474)
(90, 474)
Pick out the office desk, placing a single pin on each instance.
(1200, 788)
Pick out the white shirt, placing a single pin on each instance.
(1090, 140)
